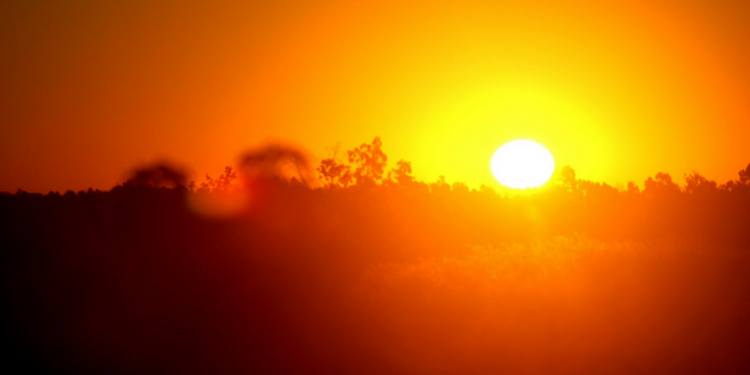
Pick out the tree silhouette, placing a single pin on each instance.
(369, 161)
(224, 183)
(567, 179)
(697, 184)
(334, 172)
(745, 176)
(661, 184)
(401, 174)
(158, 175)
(275, 162)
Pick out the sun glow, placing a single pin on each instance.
(522, 164)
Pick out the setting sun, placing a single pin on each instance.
(522, 164)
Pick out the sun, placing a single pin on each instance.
(522, 164)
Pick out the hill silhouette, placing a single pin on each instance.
(351, 267)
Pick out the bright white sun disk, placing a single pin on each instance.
(522, 164)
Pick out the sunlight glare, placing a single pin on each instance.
(522, 164)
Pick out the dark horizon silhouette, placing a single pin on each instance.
(370, 271)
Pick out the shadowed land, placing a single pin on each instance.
(356, 268)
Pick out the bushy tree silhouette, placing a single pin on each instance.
(401, 174)
(369, 161)
(697, 184)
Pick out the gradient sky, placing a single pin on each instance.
(619, 90)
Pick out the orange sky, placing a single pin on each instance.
(619, 91)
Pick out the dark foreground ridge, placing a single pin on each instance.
(372, 272)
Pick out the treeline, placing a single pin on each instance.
(352, 267)
(356, 192)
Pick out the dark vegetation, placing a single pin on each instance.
(356, 268)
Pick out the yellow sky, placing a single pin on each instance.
(619, 91)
